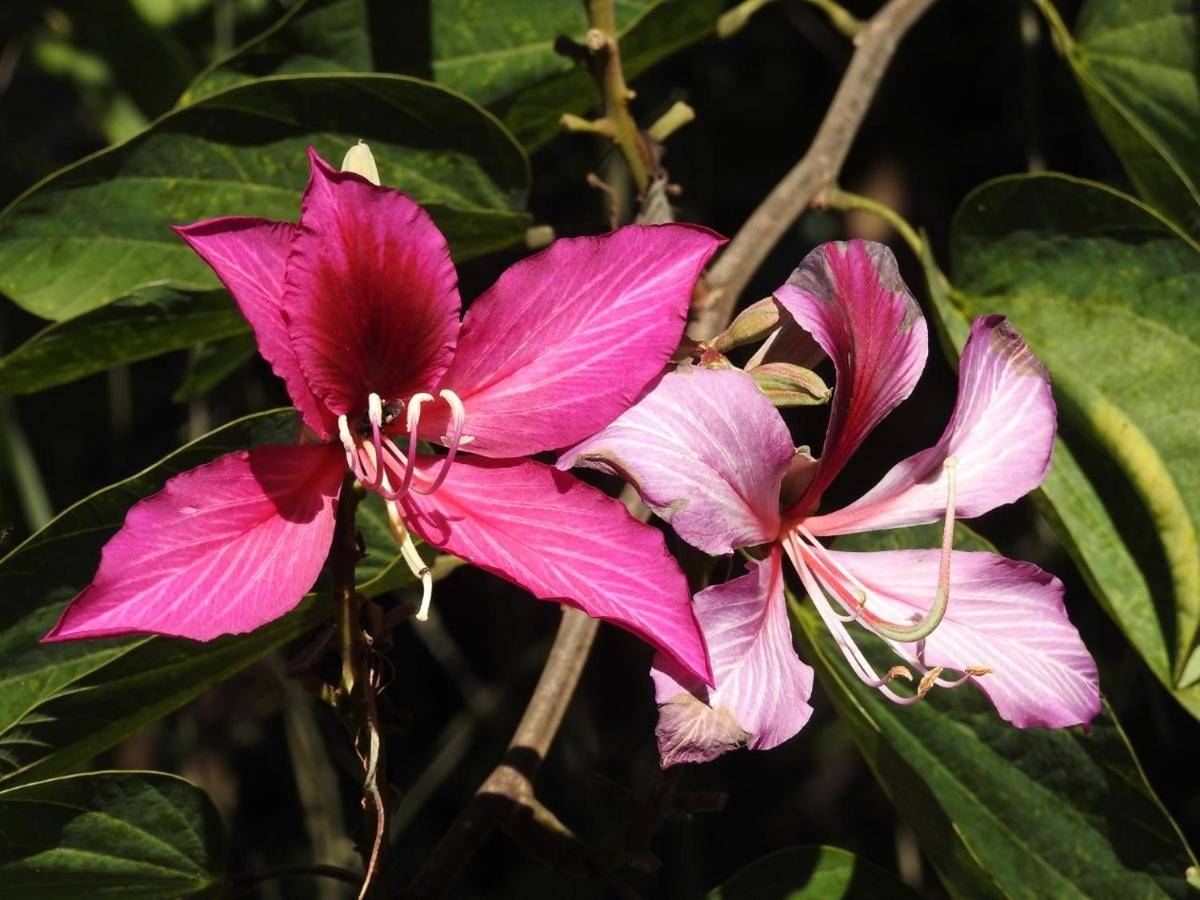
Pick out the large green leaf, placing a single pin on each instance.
(98, 230)
(1105, 292)
(500, 55)
(110, 834)
(999, 811)
(149, 323)
(811, 873)
(1136, 62)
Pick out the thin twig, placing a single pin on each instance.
(876, 43)
(509, 789)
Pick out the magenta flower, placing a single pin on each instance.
(357, 309)
(707, 451)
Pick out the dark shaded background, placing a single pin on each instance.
(976, 91)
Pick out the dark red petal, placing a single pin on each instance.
(370, 294)
(851, 299)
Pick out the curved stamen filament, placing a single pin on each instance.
(458, 418)
(904, 633)
(408, 550)
(850, 650)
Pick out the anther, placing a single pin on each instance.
(928, 679)
(348, 444)
(977, 671)
(897, 672)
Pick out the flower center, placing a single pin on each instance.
(372, 455)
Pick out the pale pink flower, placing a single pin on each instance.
(707, 451)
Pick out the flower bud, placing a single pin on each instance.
(359, 160)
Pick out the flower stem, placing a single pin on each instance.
(836, 198)
(357, 689)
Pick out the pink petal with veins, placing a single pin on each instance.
(707, 452)
(568, 338)
(851, 299)
(562, 540)
(1002, 613)
(1001, 433)
(221, 549)
(761, 688)
(370, 295)
(250, 257)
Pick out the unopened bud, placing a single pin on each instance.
(359, 160)
(754, 323)
(789, 385)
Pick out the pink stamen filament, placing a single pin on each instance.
(850, 650)
(367, 463)
(855, 603)
(458, 418)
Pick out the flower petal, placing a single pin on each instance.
(851, 299)
(562, 540)
(221, 549)
(760, 697)
(250, 258)
(567, 339)
(1001, 434)
(371, 295)
(707, 452)
(1005, 614)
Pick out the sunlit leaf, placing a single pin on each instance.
(149, 323)
(110, 834)
(99, 229)
(1135, 61)
(502, 56)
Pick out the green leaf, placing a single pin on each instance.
(1103, 289)
(1135, 61)
(811, 873)
(501, 56)
(63, 703)
(111, 834)
(212, 363)
(99, 229)
(513, 68)
(146, 324)
(1000, 811)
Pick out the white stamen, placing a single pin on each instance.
(347, 440)
(416, 565)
